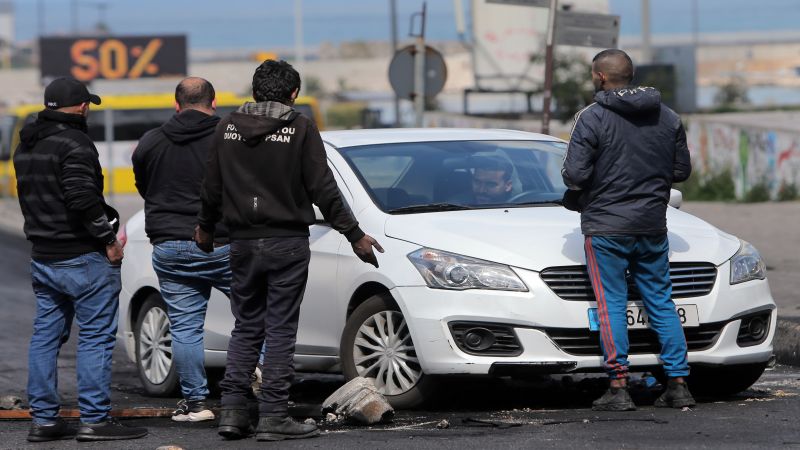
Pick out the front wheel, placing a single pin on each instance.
(154, 349)
(723, 381)
(376, 343)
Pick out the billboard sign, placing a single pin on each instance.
(113, 57)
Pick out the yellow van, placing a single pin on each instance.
(129, 117)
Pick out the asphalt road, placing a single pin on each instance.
(481, 413)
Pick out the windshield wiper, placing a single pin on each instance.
(430, 207)
(556, 201)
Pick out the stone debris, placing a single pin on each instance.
(310, 421)
(444, 424)
(331, 417)
(10, 402)
(359, 402)
(170, 447)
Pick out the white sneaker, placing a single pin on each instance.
(192, 411)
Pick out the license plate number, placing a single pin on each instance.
(636, 317)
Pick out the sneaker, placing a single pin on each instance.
(192, 411)
(55, 431)
(280, 428)
(614, 399)
(677, 395)
(234, 422)
(108, 430)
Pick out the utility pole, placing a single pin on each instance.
(40, 18)
(419, 70)
(299, 49)
(74, 13)
(695, 25)
(548, 67)
(647, 50)
(393, 28)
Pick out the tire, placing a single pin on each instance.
(723, 381)
(404, 388)
(157, 373)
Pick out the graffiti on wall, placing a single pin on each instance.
(753, 156)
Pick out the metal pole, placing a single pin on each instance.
(695, 24)
(74, 12)
(108, 118)
(647, 51)
(548, 67)
(299, 49)
(419, 73)
(393, 27)
(40, 17)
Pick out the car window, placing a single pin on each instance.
(6, 132)
(468, 173)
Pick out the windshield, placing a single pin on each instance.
(440, 176)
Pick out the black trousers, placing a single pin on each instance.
(268, 280)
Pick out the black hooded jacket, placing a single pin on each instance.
(60, 188)
(266, 167)
(625, 152)
(169, 166)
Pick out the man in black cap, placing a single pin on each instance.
(75, 264)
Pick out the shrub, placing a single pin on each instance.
(759, 192)
(717, 187)
(788, 192)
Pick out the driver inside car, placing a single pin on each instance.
(491, 181)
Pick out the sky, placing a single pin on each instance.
(264, 24)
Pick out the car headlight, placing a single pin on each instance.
(445, 270)
(747, 265)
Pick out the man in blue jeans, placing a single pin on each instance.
(625, 152)
(75, 261)
(169, 166)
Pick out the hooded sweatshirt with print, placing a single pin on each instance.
(267, 166)
(625, 152)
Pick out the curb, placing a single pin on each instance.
(786, 344)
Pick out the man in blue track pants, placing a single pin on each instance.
(626, 150)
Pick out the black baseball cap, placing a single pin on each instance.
(67, 91)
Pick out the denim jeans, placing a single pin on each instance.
(186, 275)
(87, 288)
(646, 258)
(269, 279)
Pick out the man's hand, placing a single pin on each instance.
(204, 239)
(363, 249)
(114, 253)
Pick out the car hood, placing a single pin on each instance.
(535, 238)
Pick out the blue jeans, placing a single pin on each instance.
(646, 258)
(87, 288)
(186, 275)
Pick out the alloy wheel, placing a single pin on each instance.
(383, 350)
(155, 346)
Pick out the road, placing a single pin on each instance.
(481, 413)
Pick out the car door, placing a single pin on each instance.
(320, 317)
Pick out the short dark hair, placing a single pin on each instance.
(616, 64)
(494, 164)
(194, 91)
(275, 81)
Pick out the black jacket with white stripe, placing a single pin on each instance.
(625, 152)
(60, 188)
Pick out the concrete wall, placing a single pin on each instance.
(756, 148)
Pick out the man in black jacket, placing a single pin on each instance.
(267, 166)
(169, 166)
(74, 264)
(625, 152)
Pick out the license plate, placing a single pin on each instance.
(637, 317)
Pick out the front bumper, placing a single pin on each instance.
(430, 313)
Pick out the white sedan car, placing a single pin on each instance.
(469, 287)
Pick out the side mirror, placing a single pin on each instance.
(318, 215)
(675, 198)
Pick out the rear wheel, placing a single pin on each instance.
(376, 343)
(154, 348)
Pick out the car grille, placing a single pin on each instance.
(688, 280)
(581, 341)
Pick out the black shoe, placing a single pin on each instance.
(677, 395)
(280, 428)
(108, 430)
(615, 399)
(55, 431)
(234, 423)
(192, 411)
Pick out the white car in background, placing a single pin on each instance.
(498, 289)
